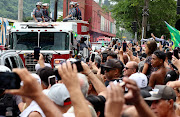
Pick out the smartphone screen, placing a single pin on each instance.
(102, 70)
(36, 52)
(124, 47)
(92, 57)
(79, 66)
(87, 60)
(104, 55)
(52, 80)
(9, 80)
(133, 49)
(175, 53)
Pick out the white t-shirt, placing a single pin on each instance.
(31, 108)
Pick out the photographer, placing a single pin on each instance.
(82, 44)
(9, 103)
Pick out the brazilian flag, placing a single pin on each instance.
(175, 35)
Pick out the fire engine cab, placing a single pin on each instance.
(55, 40)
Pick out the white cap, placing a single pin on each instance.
(37, 66)
(58, 93)
(4, 69)
(45, 4)
(34, 76)
(71, 3)
(140, 79)
(39, 3)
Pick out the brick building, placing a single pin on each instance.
(101, 23)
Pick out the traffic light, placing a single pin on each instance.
(134, 26)
(178, 6)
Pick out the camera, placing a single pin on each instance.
(9, 80)
(78, 65)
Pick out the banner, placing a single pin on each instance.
(175, 35)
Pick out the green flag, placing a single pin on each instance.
(75, 34)
(175, 35)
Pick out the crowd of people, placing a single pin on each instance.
(123, 80)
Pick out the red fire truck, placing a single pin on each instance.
(54, 38)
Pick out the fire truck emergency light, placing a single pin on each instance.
(57, 61)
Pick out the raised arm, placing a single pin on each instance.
(33, 90)
(98, 85)
(133, 96)
(70, 79)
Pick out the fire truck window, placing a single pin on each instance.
(7, 63)
(54, 41)
(25, 40)
(14, 62)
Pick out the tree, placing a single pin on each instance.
(127, 11)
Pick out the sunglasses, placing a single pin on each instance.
(127, 68)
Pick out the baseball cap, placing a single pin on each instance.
(113, 63)
(44, 73)
(171, 76)
(58, 93)
(140, 79)
(45, 4)
(162, 92)
(34, 76)
(37, 66)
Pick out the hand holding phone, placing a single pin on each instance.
(78, 65)
(92, 57)
(36, 52)
(9, 80)
(104, 55)
(124, 47)
(52, 80)
(175, 53)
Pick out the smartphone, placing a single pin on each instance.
(134, 53)
(87, 60)
(102, 70)
(36, 52)
(104, 55)
(92, 57)
(79, 66)
(52, 80)
(9, 80)
(175, 53)
(124, 47)
(133, 49)
(57, 74)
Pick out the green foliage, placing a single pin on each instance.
(127, 11)
(60, 18)
(9, 8)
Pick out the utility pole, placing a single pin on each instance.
(20, 11)
(145, 16)
(55, 10)
(67, 6)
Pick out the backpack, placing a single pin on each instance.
(78, 14)
(8, 103)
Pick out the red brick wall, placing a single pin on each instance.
(91, 11)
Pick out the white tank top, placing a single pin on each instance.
(33, 107)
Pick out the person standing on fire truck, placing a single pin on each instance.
(37, 13)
